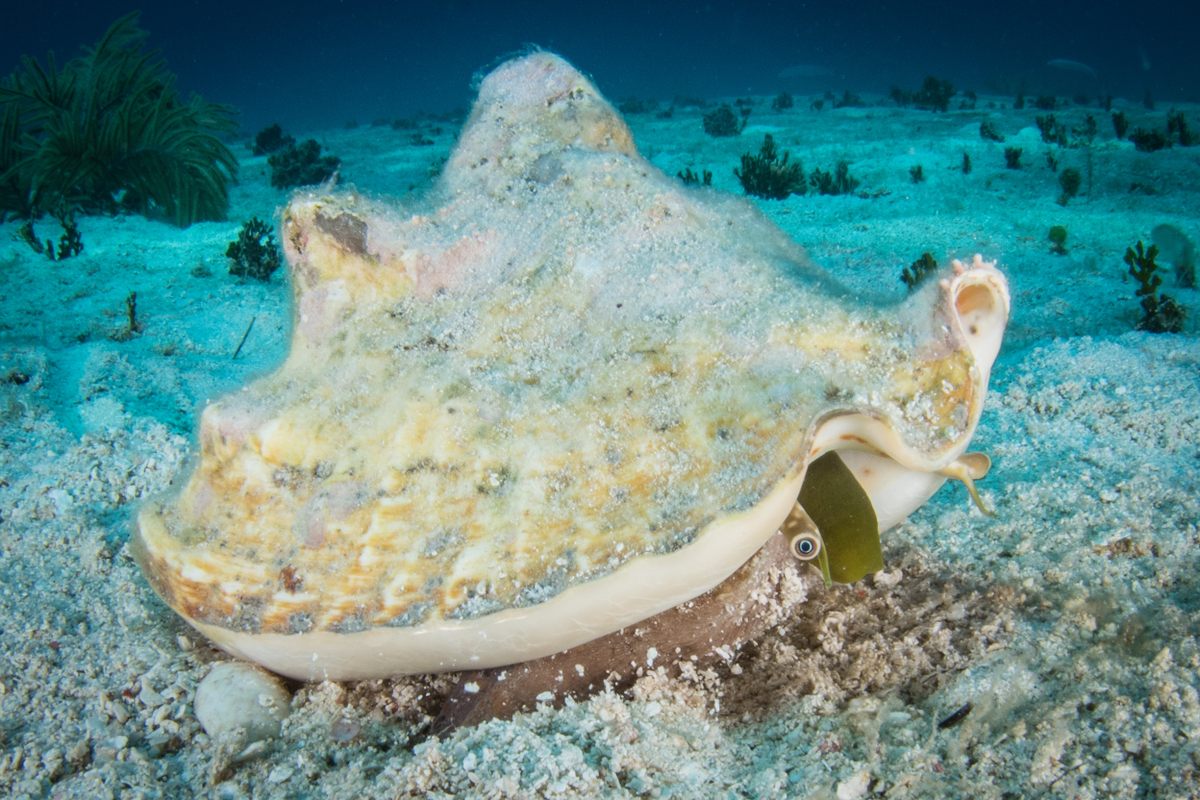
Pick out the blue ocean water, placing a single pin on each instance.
(321, 64)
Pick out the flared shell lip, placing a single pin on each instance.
(976, 324)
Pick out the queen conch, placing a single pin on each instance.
(564, 394)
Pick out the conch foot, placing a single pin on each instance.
(708, 630)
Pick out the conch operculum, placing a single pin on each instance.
(564, 394)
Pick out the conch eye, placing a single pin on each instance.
(805, 546)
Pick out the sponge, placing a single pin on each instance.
(1178, 250)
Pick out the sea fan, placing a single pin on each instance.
(109, 132)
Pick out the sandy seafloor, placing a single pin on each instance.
(1069, 621)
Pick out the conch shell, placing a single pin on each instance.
(562, 394)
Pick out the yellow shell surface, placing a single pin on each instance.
(561, 360)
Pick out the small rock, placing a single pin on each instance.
(157, 741)
(80, 754)
(855, 786)
(888, 580)
(280, 774)
(344, 730)
(235, 695)
(119, 712)
(149, 697)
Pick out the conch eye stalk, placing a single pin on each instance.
(844, 519)
(558, 395)
(805, 545)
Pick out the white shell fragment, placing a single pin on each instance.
(561, 394)
(855, 786)
(239, 699)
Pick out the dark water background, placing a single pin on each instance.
(323, 64)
